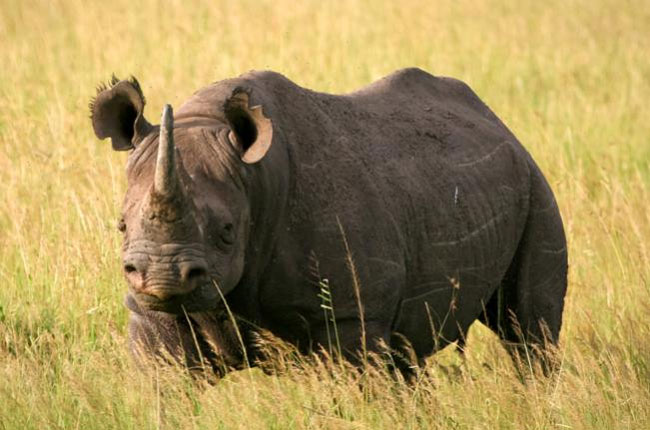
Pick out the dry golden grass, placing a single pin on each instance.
(570, 78)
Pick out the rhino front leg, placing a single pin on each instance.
(379, 342)
(159, 337)
(156, 337)
(348, 335)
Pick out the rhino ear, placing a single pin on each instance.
(116, 112)
(250, 129)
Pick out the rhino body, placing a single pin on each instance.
(409, 198)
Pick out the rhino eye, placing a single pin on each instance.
(228, 234)
(121, 225)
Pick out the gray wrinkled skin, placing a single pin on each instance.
(447, 218)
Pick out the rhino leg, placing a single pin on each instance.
(526, 310)
(154, 337)
(379, 341)
(159, 337)
(351, 339)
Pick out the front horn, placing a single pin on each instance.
(166, 177)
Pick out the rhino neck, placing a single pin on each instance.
(267, 185)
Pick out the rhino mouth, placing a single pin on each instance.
(202, 298)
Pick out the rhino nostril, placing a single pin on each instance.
(134, 276)
(194, 274)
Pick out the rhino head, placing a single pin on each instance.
(186, 212)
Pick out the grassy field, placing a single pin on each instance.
(571, 78)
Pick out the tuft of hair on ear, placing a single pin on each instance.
(100, 88)
(134, 82)
(103, 86)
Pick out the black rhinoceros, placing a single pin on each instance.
(409, 199)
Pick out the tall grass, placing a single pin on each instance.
(571, 78)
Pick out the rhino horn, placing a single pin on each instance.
(167, 201)
(166, 181)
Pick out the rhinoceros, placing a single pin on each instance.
(401, 212)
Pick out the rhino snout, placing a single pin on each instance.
(164, 281)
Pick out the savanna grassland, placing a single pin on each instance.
(571, 78)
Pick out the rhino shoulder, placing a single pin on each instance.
(415, 82)
(419, 80)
